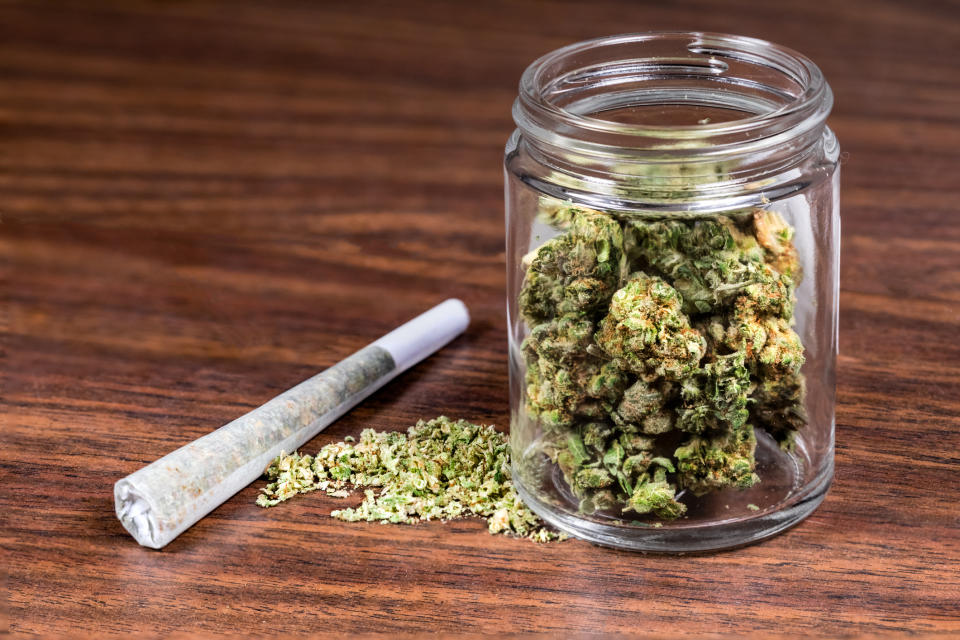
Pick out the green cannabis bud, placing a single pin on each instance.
(645, 332)
(656, 347)
(577, 272)
(440, 469)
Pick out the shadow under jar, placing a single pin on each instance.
(673, 239)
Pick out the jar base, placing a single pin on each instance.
(697, 534)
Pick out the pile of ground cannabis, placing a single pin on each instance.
(440, 469)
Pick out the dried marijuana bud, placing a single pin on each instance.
(440, 469)
(578, 271)
(656, 347)
(646, 333)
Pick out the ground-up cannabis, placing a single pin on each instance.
(654, 349)
(440, 469)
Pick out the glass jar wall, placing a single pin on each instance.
(672, 259)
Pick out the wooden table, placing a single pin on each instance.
(203, 204)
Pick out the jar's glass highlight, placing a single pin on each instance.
(672, 258)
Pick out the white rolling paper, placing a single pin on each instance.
(160, 501)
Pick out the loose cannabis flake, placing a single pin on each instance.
(440, 469)
(655, 348)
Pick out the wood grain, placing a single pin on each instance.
(204, 203)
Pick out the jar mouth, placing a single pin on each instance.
(671, 95)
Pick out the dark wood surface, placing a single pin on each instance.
(203, 204)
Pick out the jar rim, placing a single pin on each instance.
(794, 101)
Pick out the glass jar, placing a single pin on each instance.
(673, 240)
